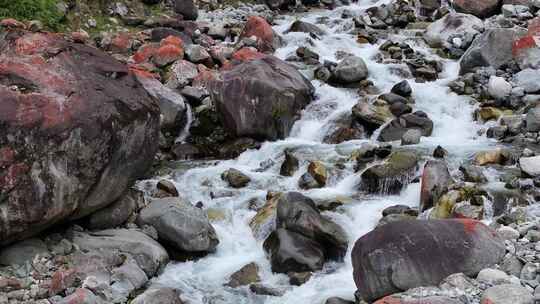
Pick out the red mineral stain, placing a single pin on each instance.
(247, 54)
(144, 53)
(169, 52)
(172, 40)
(469, 224)
(526, 42)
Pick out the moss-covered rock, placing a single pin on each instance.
(264, 221)
(392, 175)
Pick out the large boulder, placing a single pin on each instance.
(77, 130)
(180, 225)
(391, 176)
(298, 213)
(493, 48)
(451, 26)
(407, 254)
(261, 98)
(436, 180)
(482, 9)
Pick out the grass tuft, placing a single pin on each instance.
(45, 11)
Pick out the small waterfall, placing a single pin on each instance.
(185, 132)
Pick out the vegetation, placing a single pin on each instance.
(45, 11)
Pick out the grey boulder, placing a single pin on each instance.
(493, 48)
(529, 80)
(464, 26)
(298, 213)
(180, 225)
(507, 294)
(351, 69)
(149, 255)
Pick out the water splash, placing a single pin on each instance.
(202, 281)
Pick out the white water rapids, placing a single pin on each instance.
(202, 281)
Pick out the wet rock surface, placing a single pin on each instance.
(285, 131)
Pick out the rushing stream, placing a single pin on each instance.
(202, 281)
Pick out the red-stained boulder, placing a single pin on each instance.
(267, 40)
(402, 255)
(260, 98)
(167, 54)
(77, 130)
(526, 50)
(482, 9)
(145, 52)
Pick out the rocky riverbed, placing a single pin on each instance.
(380, 151)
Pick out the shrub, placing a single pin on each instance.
(45, 11)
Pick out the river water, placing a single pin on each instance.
(202, 281)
